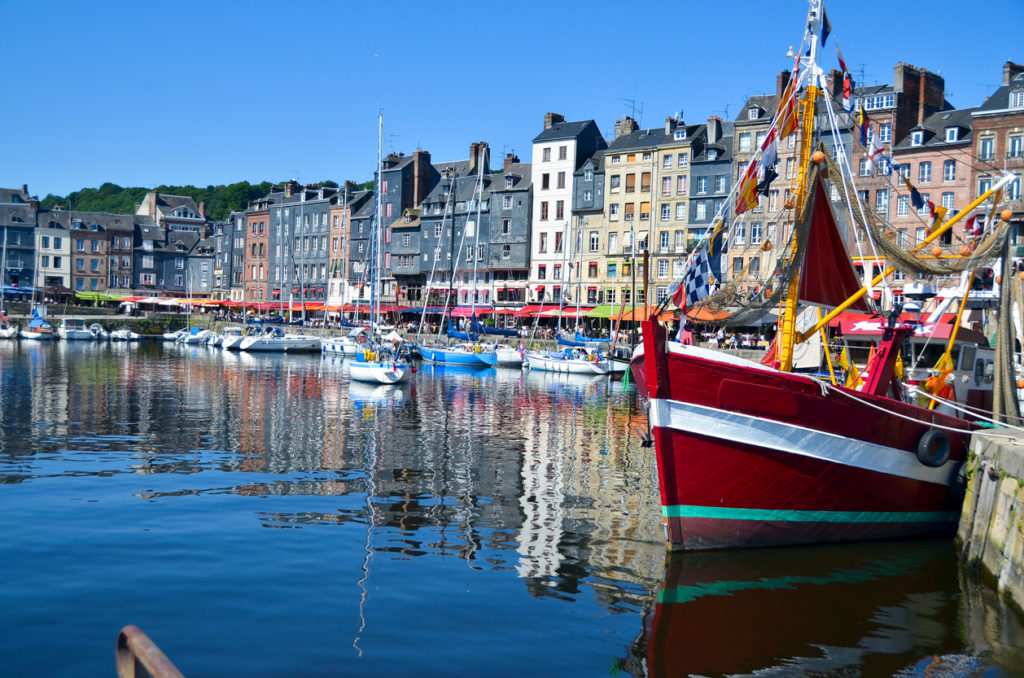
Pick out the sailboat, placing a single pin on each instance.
(379, 363)
(38, 329)
(753, 454)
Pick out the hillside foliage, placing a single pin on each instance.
(113, 199)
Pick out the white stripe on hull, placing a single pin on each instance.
(793, 439)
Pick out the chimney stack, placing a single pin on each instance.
(152, 205)
(1010, 70)
(421, 176)
(781, 83)
(670, 125)
(626, 125)
(202, 208)
(714, 129)
(24, 187)
(551, 119)
(510, 160)
(287, 189)
(473, 149)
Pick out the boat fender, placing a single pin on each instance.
(361, 339)
(933, 448)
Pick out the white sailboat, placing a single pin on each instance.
(379, 363)
(8, 330)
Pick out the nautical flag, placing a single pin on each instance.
(853, 379)
(767, 178)
(769, 155)
(874, 155)
(746, 198)
(826, 26)
(703, 272)
(839, 55)
(847, 91)
(915, 197)
(938, 216)
(973, 228)
(862, 123)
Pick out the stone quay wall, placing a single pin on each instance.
(991, 531)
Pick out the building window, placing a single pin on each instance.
(680, 211)
(752, 113)
(1015, 146)
(882, 200)
(740, 234)
(542, 272)
(612, 270)
(666, 161)
(588, 196)
(916, 138)
(613, 212)
(755, 233)
(562, 152)
(560, 209)
(924, 173)
(701, 210)
(924, 208)
(683, 159)
(947, 200)
(952, 133)
(680, 134)
(720, 183)
(902, 206)
(545, 181)
(588, 175)
(543, 243)
(702, 185)
(561, 180)
(544, 211)
(546, 155)
(595, 241)
(506, 226)
(745, 138)
(80, 245)
(737, 267)
(613, 183)
(506, 202)
(666, 211)
(666, 185)
(1017, 99)
(986, 148)
(949, 170)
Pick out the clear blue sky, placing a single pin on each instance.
(149, 93)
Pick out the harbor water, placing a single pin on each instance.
(261, 515)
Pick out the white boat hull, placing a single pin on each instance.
(37, 336)
(566, 365)
(290, 343)
(377, 373)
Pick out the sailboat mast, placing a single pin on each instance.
(787, 318)
(476, 238)
(374, 298)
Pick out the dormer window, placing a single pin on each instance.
(916, 138)
(712, 154)
(509, 181)
(952, 133)
(1017, 99)
(680, 134)
(753, 113)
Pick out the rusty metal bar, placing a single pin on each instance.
(138, 656)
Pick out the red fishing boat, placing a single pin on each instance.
(757, 455)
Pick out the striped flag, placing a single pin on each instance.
(862, 123)
(826, 26)
(747, 196)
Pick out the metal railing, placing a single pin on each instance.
(139, 656)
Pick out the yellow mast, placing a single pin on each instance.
(787, 318)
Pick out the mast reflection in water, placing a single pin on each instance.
(260, 514)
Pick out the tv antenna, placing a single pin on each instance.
(636, 111)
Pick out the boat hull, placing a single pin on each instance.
(446, 357)
(750, 456)
(289, 345)
(377, 373)
(37, 336)
(566, 365)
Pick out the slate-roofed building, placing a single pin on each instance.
(936, 156)
(509, 227)
(256, 278)
(90, 235)
(558, 152)
(229, 257)
(998, 130)
(173, 212)
(590, 226)
(161, 258)
(18, 210)
(298, 241)
(341, 288)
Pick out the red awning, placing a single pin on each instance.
(540, 288)
(529, 311)
(467, 311)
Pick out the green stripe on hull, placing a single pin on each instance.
(782, 515)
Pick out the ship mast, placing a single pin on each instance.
(812, 72)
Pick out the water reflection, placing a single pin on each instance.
(520, 477)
